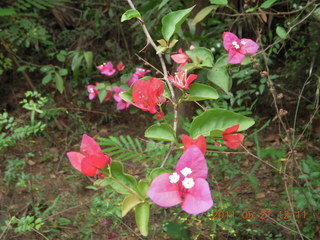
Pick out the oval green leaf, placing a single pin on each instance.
(281, 32)
(268, 3)
(172, 22)
(129, 14)
(142, 218)
(199, 92)
(124, 182)
(218, 119)
(201, 56)
(203, 13)
(220, 77)
(160, 132)
(129, 203)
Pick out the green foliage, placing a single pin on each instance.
(162, 132)
(171, 23)
(199, 92)
(126, 148)
(129, 14)
(15, 174)
(213, 121)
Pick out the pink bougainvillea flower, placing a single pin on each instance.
(181, 80)
(122, 104)
(90, 159)
(232, 140)
(120, 66)
(187, 185)
(140, 73)
(146, 94)
(200, 142)
(93, 92)
(107, 69)
(238, 48)
(181, 58)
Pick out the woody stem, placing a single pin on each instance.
(165, 76)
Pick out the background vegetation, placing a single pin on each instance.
(48, 53)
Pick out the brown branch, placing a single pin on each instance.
(165, 76)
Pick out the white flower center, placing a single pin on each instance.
(174, 178)
(236, 46)
(91, 90)
(243, 42)
(188, 183)
(186, 171)
(234, 43)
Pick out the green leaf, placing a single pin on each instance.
(160, 132)
(281, 32)
(88, 56)
(126, 180)
(201, 56)
(76, 61)
(129, 14)
(172, 22)
(162, 42)
(219, 2)
(156, 172)
(251, 10)
(161, 49)
(129, 202)
(268, 3)
(222, 61)
(102, 94)
(316, 14)
(142, 218)
(172, 43)
(63, 71)
(198, 92)
(203, 13)
(218, 119)
(220, 77)
(143, 187)
(59, 82)
(7, 12)
(47, 78)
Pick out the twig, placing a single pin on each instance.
(165, 76)
(40, 233)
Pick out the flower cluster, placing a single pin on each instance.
(90, 159)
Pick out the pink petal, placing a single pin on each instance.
(87, 168)
(228, 38)
(233, 141)
(164, 193)
(89, 146)
(200, 142)
(235, 57)
(133, 79)
(181, 66)
(250, 47)
(230, 130)
(76, 158)
(199, 199)
(122, 105)
(194, 159)
(191, 78)
(98, 161)
(181, 57)
(92, 96)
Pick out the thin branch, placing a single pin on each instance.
(165, 76)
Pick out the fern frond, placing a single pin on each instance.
(39, 4)
(126, 148)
